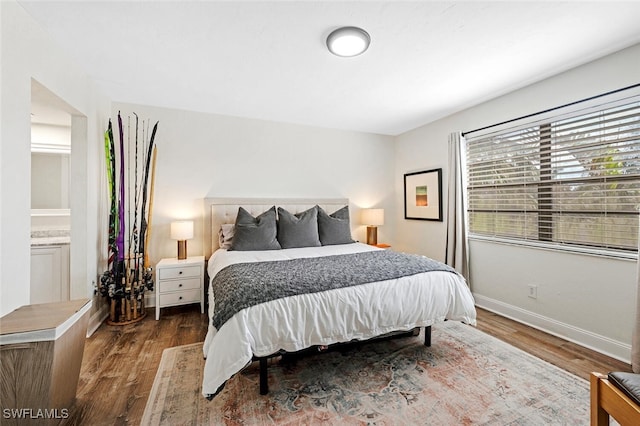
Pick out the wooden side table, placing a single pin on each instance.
(179, 282)
(41, 348)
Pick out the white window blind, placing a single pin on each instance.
(572, 181)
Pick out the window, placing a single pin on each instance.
(570, 181)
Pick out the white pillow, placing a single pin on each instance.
(225, 235)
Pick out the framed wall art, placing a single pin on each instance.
(423, 195)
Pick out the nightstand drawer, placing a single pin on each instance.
(180, 284)
(184, 272)
(180, 297)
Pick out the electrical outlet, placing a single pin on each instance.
(533, 291)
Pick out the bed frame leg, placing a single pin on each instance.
(427, 336)
(264, 381)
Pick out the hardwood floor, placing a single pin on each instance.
(120, 362)
(569, 356)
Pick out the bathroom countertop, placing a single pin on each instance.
(49, 241)
(50, 236)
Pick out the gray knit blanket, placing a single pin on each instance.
(243, 285)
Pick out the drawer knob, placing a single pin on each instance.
(180, 285)
(180, 273)
(180, 298)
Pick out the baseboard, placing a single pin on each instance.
(97, 319)
(150, 299)
(604, 345)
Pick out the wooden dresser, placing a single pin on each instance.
(41, 348)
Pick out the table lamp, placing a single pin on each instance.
(372, 218)
(182, 230)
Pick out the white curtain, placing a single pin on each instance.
(457, 248)
(635, 339)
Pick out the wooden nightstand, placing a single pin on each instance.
(179, 282)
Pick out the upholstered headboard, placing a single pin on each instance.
(218, 211)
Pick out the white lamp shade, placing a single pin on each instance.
(182, 230)
(373, 217)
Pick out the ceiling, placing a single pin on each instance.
(268, 60)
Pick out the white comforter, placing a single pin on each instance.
(298, 322)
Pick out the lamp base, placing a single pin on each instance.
(372, 235)
(182, 250)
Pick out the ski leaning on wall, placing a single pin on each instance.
(128, 273)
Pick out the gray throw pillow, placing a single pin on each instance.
(298, 230)
(334, 228)
(255, 233)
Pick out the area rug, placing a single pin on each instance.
(466, 377)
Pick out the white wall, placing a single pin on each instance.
(205, 155)
(586, 299)
(28, 52)
(49, 181)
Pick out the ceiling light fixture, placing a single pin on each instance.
(348, 41)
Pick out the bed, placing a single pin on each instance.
(290, 296)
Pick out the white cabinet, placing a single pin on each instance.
(49, 273)
(179, 282)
